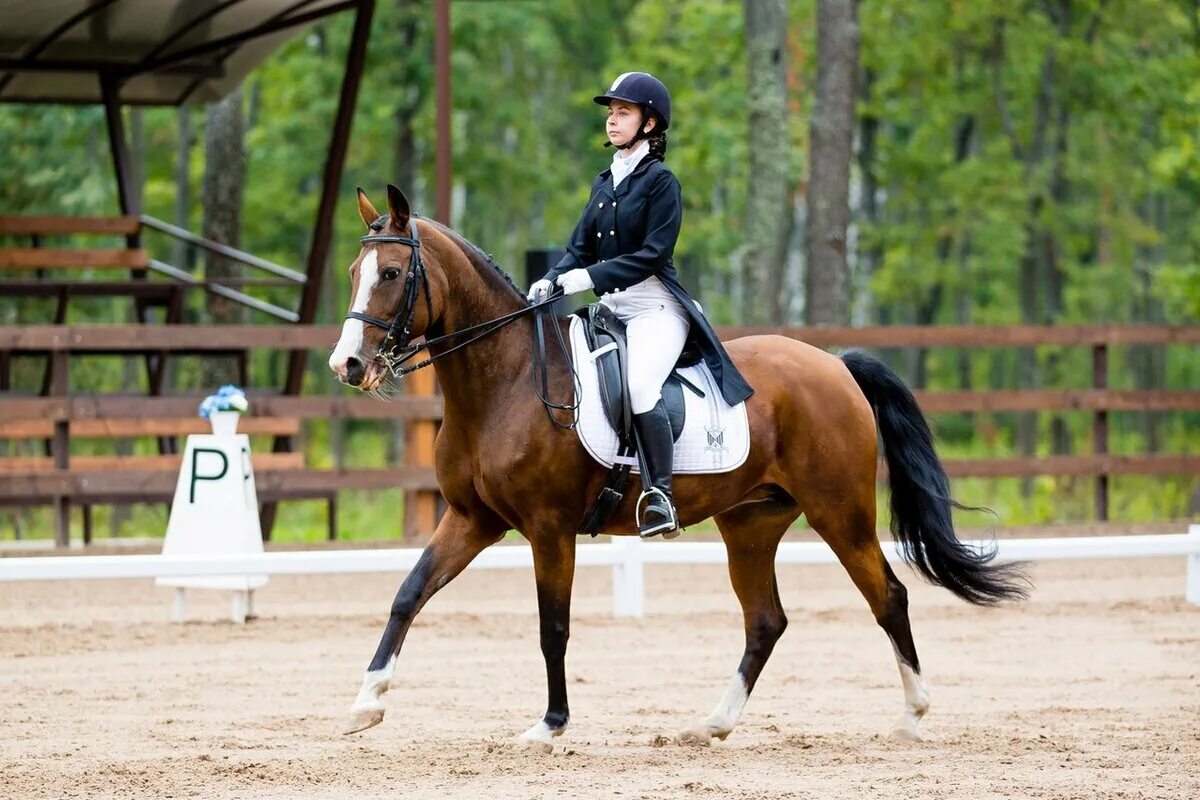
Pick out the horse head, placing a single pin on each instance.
(394, 295)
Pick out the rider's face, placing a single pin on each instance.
(622, 123)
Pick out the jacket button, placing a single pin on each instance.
(612, 233)
(602, 205)
(598, 234)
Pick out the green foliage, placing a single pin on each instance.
(1082, 116)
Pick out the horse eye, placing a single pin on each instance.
(391, 273)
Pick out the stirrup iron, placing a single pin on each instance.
(669, 528)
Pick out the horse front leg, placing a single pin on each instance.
(554, 570)
(451, 548)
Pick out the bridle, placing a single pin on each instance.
(396, 349)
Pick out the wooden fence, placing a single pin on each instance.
(422, 409)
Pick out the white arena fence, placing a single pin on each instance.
(627, 555)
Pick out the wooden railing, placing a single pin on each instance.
(64, 342)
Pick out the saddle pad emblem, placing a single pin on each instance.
(716, 435)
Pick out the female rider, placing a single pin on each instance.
(622, 250)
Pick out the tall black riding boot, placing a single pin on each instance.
(657, 446)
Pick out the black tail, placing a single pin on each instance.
(921, 502)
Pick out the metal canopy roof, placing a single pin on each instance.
(149, 52)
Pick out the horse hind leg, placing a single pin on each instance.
(751, 535)
(852, 538)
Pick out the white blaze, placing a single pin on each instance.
(352, 329)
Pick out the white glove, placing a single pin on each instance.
(540, 290)
(575, 281)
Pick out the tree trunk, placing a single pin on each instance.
(769, 200)
(224, 178)
(1025, 433)
(831, 133)
(870, 255)
(1060, 432)
(964, 132)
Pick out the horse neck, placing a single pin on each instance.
(478, 375)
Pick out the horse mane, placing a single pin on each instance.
(476, 255)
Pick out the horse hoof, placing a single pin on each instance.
(904, 733)
(536, 745)
(362, 719)
(540, 736)
(694, 738)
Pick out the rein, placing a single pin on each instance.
(396, 349)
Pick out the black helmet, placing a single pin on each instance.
(643, 89)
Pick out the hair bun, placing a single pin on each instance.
(658, 145)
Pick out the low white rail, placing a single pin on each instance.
(626, 555)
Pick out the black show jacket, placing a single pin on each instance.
(628, 234)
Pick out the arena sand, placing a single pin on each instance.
(1091, 690)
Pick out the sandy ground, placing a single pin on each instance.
(1090, 690)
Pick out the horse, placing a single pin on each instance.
(505, 462)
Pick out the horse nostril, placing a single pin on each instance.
(354, 371)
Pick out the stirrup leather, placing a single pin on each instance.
(668, 527)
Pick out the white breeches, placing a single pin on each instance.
(656, 332)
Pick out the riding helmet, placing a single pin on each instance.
(643, 89)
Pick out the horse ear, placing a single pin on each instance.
(398, 207)
(365, 209)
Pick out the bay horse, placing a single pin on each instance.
(502, 463)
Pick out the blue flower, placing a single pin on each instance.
(227, 398)
(208, 406)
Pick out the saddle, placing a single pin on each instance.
(609, 351)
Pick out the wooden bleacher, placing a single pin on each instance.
(141, 477)
(30, 269)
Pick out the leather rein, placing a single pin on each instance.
(396, 349)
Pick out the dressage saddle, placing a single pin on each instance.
(606, 340)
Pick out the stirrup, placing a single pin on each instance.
(669, 527)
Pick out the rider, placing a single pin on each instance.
(622, 249)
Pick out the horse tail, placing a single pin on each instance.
(921, 503)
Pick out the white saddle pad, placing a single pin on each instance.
(716, 435)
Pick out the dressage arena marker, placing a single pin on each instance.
(214, 513)
(627, 555)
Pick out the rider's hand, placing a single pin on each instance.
(540, 290)
(575, 281)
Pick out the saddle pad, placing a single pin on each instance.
(716, 435)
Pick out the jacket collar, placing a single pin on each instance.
(623, 189)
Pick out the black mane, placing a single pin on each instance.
(477, 255)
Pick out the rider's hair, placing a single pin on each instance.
(658, 145)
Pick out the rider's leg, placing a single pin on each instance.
(656, 339)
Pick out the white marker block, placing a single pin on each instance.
(215, 512)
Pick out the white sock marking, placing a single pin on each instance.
(542, 732)
(374, 684)
(916, 695)
(721, 721)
